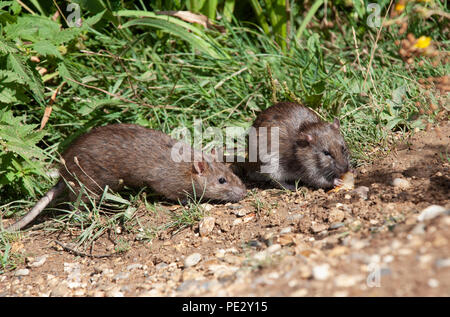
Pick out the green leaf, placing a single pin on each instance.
(46, 48)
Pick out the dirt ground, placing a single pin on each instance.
(377, 240)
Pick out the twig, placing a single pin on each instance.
(66, 248)
(26, 7)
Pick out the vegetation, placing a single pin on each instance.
(127, 63)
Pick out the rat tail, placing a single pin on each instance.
(40, 205)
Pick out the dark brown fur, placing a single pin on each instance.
(311, 151)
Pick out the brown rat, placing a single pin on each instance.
(311, 150)
(120, 155)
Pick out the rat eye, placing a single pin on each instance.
(222, 180)
(325, 152)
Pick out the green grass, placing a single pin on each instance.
(163, 74)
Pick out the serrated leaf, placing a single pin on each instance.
(46, 48)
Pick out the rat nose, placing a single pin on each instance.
(344, 168)
(239, 193)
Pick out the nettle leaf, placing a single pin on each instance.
(46, 48)
(23, 70)
(5, 48)
(33, 28)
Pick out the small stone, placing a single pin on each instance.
(418, 229)
(388, 258)
(321, 272)
(345, 280)
(286, 230)
(286, 239)
(237, 221)
(318, 227)
(441, 263)
(134, 266)
(121, 276)
(207, 207)
(336, 215)
(431, 212)
(22, 272)
(361, 192)
(206, 226)
(401, 183)
(39, 261)
(294, 218)
(433, 283)
(273, 248)
(336, 225)
(248, 217)
(192, 260)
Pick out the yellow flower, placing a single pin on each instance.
(399, 7)
(423, 42)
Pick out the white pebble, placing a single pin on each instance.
(192, 259)
(206, 226)
(401, 183)
(433, 283)
(22, 272)
(321, 272)
(431, 212)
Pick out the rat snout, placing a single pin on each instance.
(342, 169)
(239, 193)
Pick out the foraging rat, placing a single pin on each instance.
(311, 150)
(120, 155)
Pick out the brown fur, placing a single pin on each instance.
(130, 155)
(310, 150)
(121, 155)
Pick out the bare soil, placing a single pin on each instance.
(368, 242)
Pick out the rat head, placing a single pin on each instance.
(323, 154)
(216, 181)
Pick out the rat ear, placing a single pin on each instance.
(304, 140)
(336, 123)
(200, 167)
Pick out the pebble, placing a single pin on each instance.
(294, 218)
(321, 272)
(318, 227)
(286, 230)
(361, 192)
(401, 183)
(441, 263)
(273, 248)
(345, 280)
(134, 266)
(418, 229)
(248, 217)
(431, 212)
(206, 226)
(336, 215)
(121, 276)
(336, 225)
(192, 260)
(22, 272)
(234, 207)
(433, 283)
(37, 262)
(207, 207)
